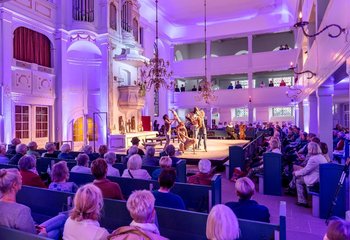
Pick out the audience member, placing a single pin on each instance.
(140, 205)
(170, 151)
(102, 150)
(3, 158)
(131, 151)
(194, 89)
(230, 87)
(65, 152)
(21, 150)
(59, 177)
(199, 87)
(150, 159)
(309, 175)
(13, 215)
(183, 88)
(262, 84)
(82, 164)
(238, 85)
(134, 169)
(11, 150)
(324, 149)
(230, 130)
(135, 142)
(155, 125)
(30, 177)
(50, 150)
(109, 189)
(282, 83)
(87, 149)
(245, 207)
(165, 162)
(338, 229)
(163, 196)
(222, 224)
(204, 176)
(177, 89)
(110, 158)
(271, 83)
(32, 149)
(83, 221)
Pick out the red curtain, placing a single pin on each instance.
(31, 46)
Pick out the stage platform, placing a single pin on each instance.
(217, 150)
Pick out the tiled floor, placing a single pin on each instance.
(300, 222)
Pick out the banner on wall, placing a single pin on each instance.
(146, 123)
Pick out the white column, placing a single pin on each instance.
(325, 116)
(209, 116)
(306, 115)
(313, 124)
(300, 122)
(348, 72)
(296, 114)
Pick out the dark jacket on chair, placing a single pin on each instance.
(250, 209)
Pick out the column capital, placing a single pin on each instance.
(325, 91)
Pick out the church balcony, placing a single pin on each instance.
(236, 98)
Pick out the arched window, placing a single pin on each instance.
(78, 130)
(135, 29)
(113, 16)
(32, 47)
(83, 10)
(126, 16)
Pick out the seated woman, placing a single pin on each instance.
(83, 221)
(134, 169)
(27, 167)
(110, 158)
(50, 150)
(109, 189)
(164, 163)
(13, 215)
(150, 159)
(65, 152)
(337, 229)
(132, 151)
(141, 207)
(310, 174)
(102, 150)
(245, 207)
(87, 149)
(204, 176)
(165, 198)
(82, 164)
(222, 224)
(59, 177)
(32, 149)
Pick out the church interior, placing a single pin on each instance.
(174, 119)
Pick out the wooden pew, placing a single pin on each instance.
(180, 170)
(173, 223)
(43, 163)
(272, 177)
(196, 197)
(13, 234)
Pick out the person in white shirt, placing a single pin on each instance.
(83, 221)
(134, 169)
(110, 158)
(82, 164)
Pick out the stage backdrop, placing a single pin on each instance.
(146, 123)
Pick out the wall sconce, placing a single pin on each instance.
(293, 93)
(310, 74)
(250, 99)
(301, 24)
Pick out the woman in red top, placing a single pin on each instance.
(30, 177)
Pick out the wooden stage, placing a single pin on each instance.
(217, 150)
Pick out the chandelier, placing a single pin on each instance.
(155, 72)
(207, 93)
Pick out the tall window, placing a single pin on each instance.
(282, 112)
(32, 47)
(42, 122)
(126, 16)
(241, 112)
(135, 30)
(22, 121)
(83, 10)
(113, 16)
(78, 130)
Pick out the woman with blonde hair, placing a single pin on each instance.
(83, 221)
(59, 177)
(165, 162)
(134, 169)
(222, 224)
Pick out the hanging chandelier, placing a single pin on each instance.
(156, 71)
(207, 93)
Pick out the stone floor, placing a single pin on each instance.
(300, 222)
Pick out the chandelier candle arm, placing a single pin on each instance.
(308, 72)
(302, 24)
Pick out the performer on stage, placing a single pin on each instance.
(193, 118)
(167, 130)
(202, 133)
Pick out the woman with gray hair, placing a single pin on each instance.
(149, 159)
(310, 174)
(134, 169)
(59, 177)
(140, 205)
(65, 152)
(30, 177)
(110, 158)
(32, 149)
(21, 150)
(50, 148)
(3, 158)
(204, 176)
(82, 164)
(132, 151)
